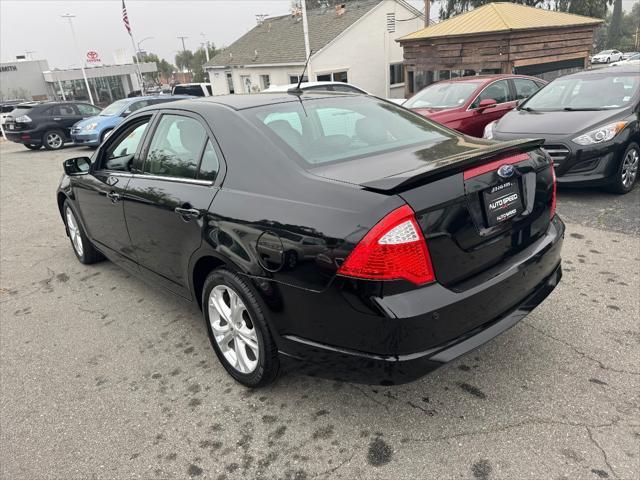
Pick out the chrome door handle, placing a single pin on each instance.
(188, 213)
(114, 197)
(57, 119)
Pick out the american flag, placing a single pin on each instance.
(125, 18)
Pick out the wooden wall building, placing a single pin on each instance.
(498, 38)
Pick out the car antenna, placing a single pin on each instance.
(297, 90)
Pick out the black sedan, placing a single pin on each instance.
(333, 234)
(590, 125)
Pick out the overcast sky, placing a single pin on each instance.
(35, 25)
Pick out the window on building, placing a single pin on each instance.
(230, 83)
(265, 81)
(296, 78)
(396, 73)
(333, 77)
(245, 81)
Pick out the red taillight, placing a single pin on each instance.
(393, 249)
(553, 193)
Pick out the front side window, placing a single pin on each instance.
(525, 87)
(176, 147)
(443, 95)
(119, 154)
(327, 130)
(498, 91)
(63, 111)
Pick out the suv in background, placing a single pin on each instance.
(93, 130)
(7, 107)
(193, 89)
(47, 124)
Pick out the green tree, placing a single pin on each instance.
(197, 64)
(165, 69)
(184, 60)
(615, 27)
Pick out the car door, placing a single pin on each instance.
(499, 91)
(65, 115)
(168, 197)
(101, 196)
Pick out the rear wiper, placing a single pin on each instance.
(571, 109)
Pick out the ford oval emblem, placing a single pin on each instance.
(506, 171)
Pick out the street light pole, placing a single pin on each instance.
(145, 38)
(69, 16)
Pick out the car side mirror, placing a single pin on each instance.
(126, 113)
(486, 103)
(77, 166)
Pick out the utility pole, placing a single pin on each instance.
(427, 12)
(305, 31)
(69, 16)
(184, 49)
(206, 45)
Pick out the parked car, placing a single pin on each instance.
(468, 104)
(325, 86)
(93, 130)
(6, 108)
(48, 123)
(193, 89)
(426, 246)
(628, 55)
(607, 56)
(632, 60)
(589, 123)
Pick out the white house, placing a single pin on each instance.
(352, 42)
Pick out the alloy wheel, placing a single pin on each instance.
(74, 233)
(630, 167)
(233, 329)
(54, 140)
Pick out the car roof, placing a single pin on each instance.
(624, 67)
(251, 100)
(306, 85)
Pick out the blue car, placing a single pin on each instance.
(93, 130)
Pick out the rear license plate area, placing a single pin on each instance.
(502, 202)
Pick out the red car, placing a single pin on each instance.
(467, 104)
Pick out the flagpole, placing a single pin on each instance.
(137, 62)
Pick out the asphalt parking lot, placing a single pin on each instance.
(105, 377)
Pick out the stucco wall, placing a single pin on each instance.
(24, 79)
(366, 49)
(278, 76)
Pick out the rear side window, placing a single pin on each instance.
(176, 147)
(210, 164)
(338, 129)
(87, 109)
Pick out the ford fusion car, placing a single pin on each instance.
(93, 130)
(589, 122)
(413, 244)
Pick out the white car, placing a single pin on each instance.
(607, 56)
(193, 89)
(634, 59)
(327, 87)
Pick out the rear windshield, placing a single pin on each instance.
(443, 95)
(21, 110)
(586, 92)
(342, 128)
(114, 108)
(6, 108)
(195, 90)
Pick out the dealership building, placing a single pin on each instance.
(34, 80)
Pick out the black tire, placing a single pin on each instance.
(619, 185)
(268, 364)
(32, 147)
(87, 254)
(53, 139)
(104, 134)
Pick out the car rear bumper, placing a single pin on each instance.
(419, 330)
(24, 137)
